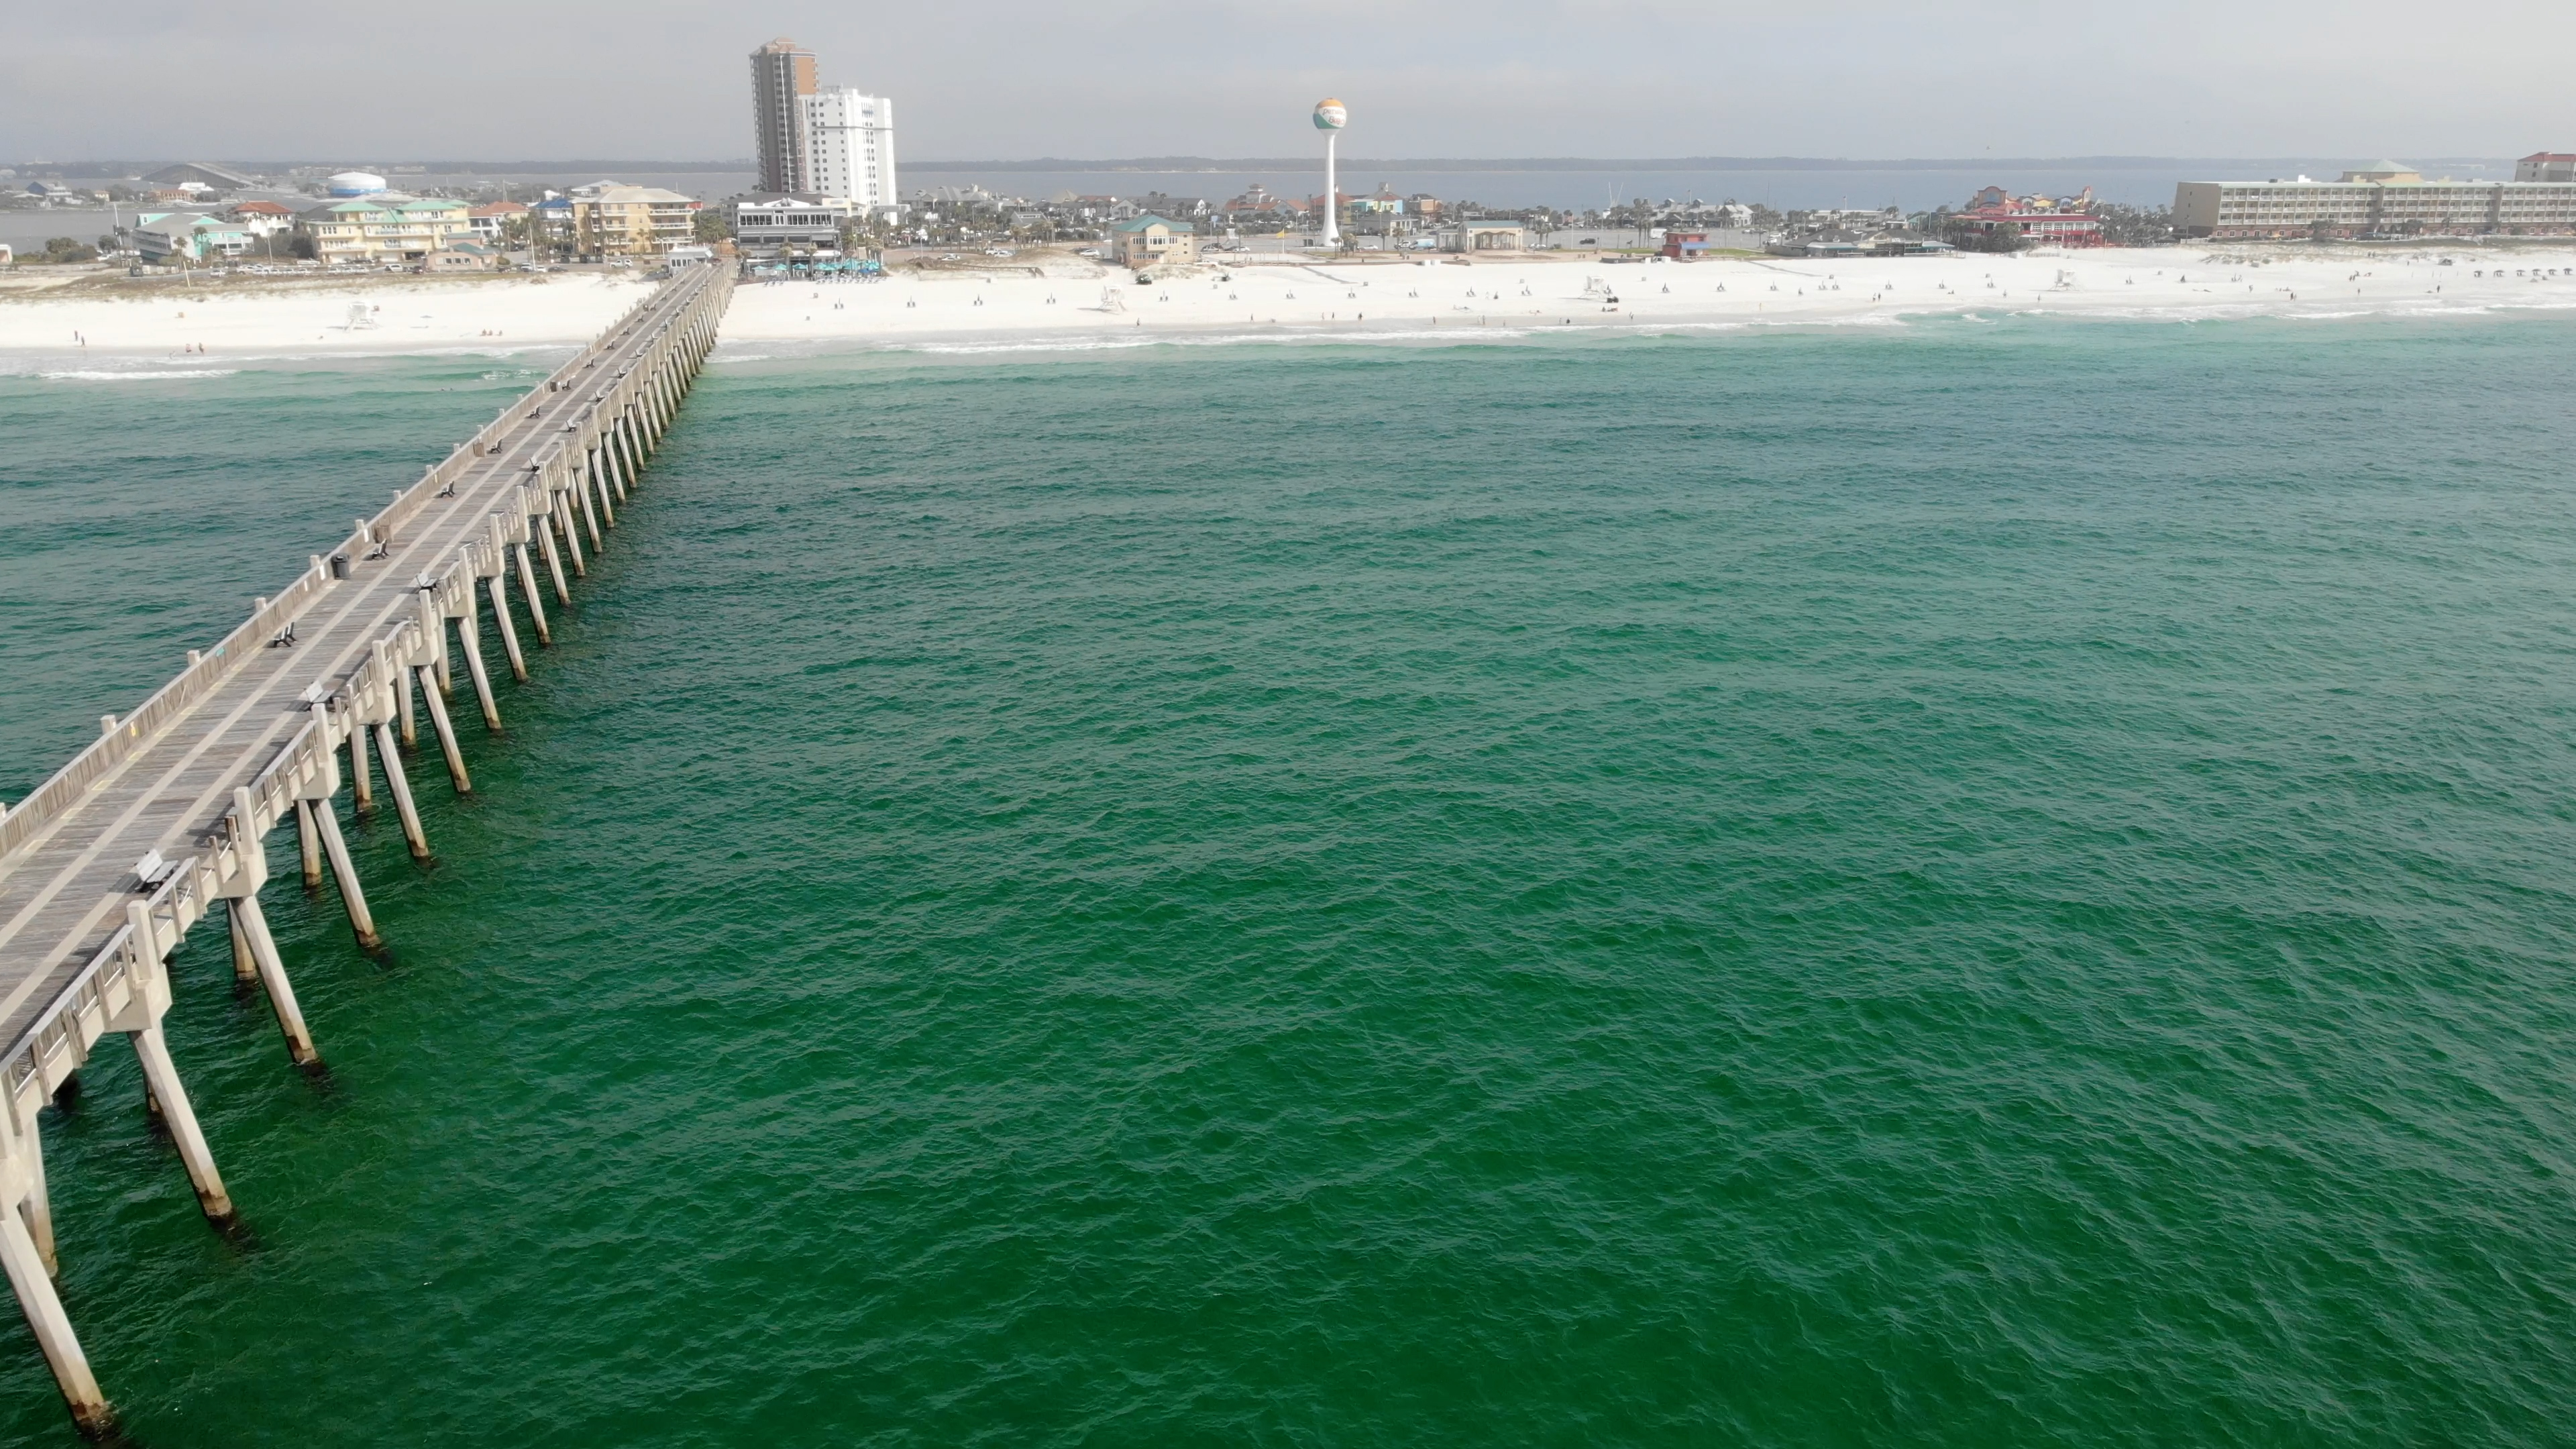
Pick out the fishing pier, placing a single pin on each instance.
(165, 819)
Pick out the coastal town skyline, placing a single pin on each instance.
(1518, 80)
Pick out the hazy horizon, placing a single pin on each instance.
(105, 165)
(1996, 81)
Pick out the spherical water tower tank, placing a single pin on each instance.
(356, 183)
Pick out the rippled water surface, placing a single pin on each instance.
(1990, 884)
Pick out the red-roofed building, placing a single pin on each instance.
(2545, 166)
(262, 218)
(2042, 220)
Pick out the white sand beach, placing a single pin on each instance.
(1058, 300)
(1550, 292)
(97, 324)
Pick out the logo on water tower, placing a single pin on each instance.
(1330, 115)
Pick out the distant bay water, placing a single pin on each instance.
(1988, 882)
(1784, 186)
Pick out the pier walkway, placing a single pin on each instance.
(106, 866)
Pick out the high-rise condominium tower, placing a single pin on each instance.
(849, 143)
(835, 141)
(782, 76)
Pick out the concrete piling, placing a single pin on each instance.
(469, 642)
(399, 786)
(53, 1330)
(38, 1206)
(571, 536)
(345, 873)
(589, 517)
(272, 976)
(447, 744)
(509, 630)
(528, 591)
(362, 792)
(181, 1119)
(244, 968)
(308, 842)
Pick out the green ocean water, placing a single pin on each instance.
(1976, 884)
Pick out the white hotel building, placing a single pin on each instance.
(2389, 199)
(849, 146)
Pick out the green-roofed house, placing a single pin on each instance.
(385, 228)
(1150, 239)
(162, 235)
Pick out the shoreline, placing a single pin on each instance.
(1055, 302)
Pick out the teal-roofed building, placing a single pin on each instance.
(1149, 239)
(385, 228)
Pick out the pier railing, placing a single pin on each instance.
(120, 736)
(599, 423)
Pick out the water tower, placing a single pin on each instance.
(1330, 118)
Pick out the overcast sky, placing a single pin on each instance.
(481, 80)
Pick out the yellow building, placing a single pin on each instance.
(1149, 239)
(377, 229)
(610, 220)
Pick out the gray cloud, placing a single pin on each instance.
(484, 79)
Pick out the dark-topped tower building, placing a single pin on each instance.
(782, 76)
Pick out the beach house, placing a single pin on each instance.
(1145, 240)
(262, 218)
(461, 256)
(1485, 236)
(492, 218)
(168, 236)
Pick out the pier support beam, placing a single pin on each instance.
(399, 786)
(403, 710)
(53, 1330)
(456, 775)
(244, 967)
(545, 526)
(362, 791)
(272, 976)
(608, 459)
(589, 518)
(469, 640)
(571, 535)
(528, 591)
(622, 432)
(308, 843)
(39, 1206)
(599, 484)
(345, 872)
(509, 630)
(162, 1075)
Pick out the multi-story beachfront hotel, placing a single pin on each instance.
(2389, 199)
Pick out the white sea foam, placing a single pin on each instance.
(102, 375)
